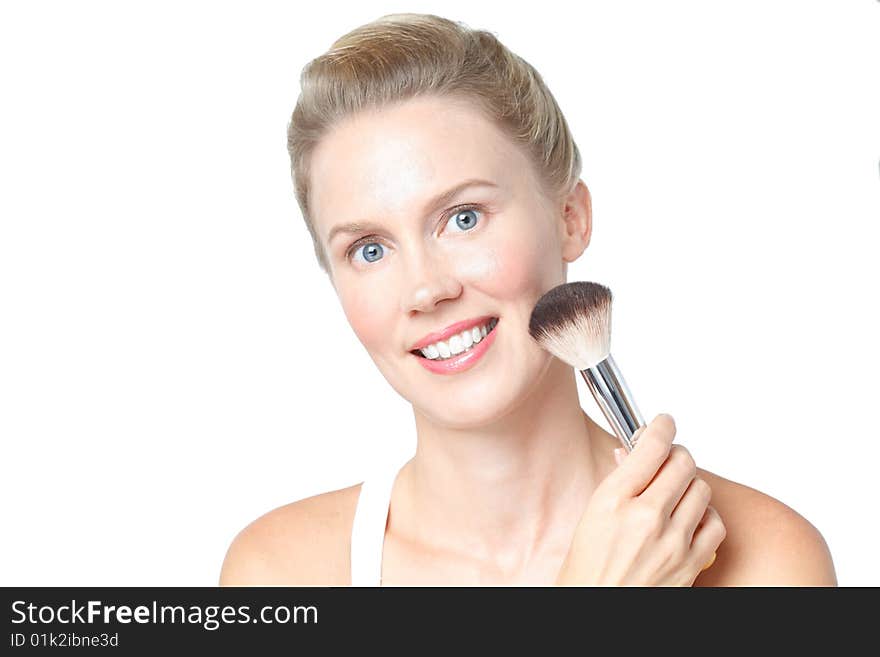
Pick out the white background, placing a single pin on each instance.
(173, 363)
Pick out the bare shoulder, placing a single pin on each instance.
(304, 543)
(767, 544)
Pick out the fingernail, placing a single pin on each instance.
(636, 435)
(711, 561)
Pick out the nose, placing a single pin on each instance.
(427, 283)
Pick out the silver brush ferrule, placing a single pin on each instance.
(614, 398)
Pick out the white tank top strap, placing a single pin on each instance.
(368, 528)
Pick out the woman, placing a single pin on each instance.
(440, 184)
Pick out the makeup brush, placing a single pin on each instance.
(573, 322)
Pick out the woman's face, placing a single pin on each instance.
(416, 267)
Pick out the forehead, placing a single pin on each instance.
(391, 160)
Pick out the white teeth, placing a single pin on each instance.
(458, 343)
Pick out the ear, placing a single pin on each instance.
(577, 222)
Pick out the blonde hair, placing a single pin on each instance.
(405, 55)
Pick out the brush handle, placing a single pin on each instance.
(614, 398)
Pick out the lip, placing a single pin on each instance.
(464, 361)
(451, 330)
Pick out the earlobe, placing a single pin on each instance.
(577, 216)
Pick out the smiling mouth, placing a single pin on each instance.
(445, 351)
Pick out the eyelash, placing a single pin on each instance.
(446, 217)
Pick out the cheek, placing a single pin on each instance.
(367, 312)
(508, 268)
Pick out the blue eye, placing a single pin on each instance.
(372, 251)
(465, 218)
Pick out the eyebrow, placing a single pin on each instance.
(433, 204)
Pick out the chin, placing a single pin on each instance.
(479, 398)
(470, 410)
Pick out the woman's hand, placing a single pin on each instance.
(648, 522)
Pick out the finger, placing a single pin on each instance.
(691, 509)
(671, 481)
(640, 465)
(708, 536)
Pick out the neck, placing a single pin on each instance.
(511, 491)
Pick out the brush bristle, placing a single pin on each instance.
(573, 322)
